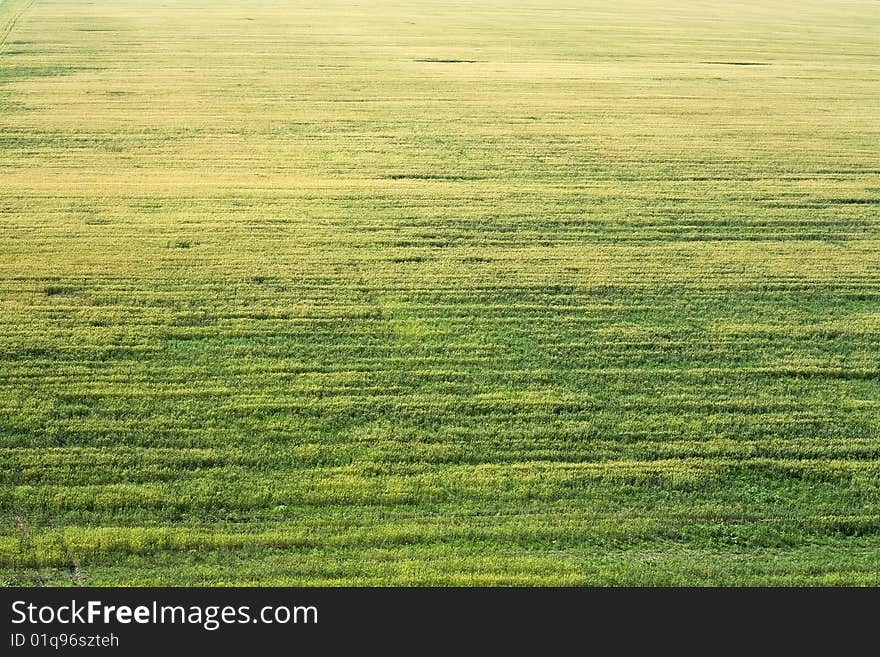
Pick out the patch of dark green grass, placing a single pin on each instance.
(437, 60)
(17, 73)
(58, 290)
(432, 176)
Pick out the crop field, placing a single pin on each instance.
(505, 292)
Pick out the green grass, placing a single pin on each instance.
(439, 293)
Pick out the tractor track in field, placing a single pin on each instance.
(8, 26)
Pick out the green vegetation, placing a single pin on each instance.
(502, 292)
